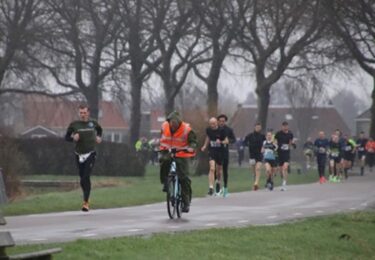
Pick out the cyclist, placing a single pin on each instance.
(361, 151)
(321, 146)
(176, 134)
(215, 141)
(86, 133)
(269, 149)
(255, 141)
(222, 120)
(284, 140)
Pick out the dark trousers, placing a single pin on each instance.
(85, 169)
(321, 160)
(182, 171)
(225, 168)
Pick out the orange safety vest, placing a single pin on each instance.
(178, 140)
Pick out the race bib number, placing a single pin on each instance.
(348, 148)
(361, 149)
(322, 150)
(214, 144)
(269, 155)
(335, 154)
(252, 161)
(285, 147)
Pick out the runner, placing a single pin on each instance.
(215, 140)
(222, 119)
(370, 153)
(269, 149)
(348, 154)
(321, 146)
(361, 151)
(86, 133)
(308, 151)
(255, 141)
(285, 141)
(334, 159)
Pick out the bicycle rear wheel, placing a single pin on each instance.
(171, 199)
(179, 203)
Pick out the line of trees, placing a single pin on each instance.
(88, 47)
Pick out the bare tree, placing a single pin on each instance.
(220, 20)
(354, 23)
(177, 47)
(304, 95)
(274, 33)
(19, 22)
(80, 47)
(142, 22)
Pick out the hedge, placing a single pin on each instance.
(56, 156)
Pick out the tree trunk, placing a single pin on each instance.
(169, 106)
(169, 103)
(135, 116)
(92, 97)
(212, 93)
(372, 122)
(263, 93)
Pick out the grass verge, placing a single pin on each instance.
(314, 238)
(130, 191)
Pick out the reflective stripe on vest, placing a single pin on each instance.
(178, 140)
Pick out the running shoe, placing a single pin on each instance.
(210, 192)
(255, 187)
(85, 206)
(220, 193)
(186, 208)
(225, 192)
(269, 185)
(331, 178)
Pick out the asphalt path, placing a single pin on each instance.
(260, 207)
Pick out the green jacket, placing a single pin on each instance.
(88, 131)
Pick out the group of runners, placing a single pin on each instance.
(341, 151)
(271, 149)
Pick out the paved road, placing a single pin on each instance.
(240, 209)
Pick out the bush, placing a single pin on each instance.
(56, 156)
(13, 164)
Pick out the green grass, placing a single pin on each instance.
(129, 191)
(314, 238)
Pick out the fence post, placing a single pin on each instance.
(3, 194)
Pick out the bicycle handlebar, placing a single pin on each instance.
(175, 150)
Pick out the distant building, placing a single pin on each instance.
(362, 122)
(303, 122)
(45, 117)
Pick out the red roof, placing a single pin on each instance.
(59, 112)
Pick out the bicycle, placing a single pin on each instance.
(174, 196)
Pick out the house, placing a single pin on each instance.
(303, 122)
(45, 116)
(362, 122)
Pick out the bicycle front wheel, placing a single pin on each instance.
(171, 198)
